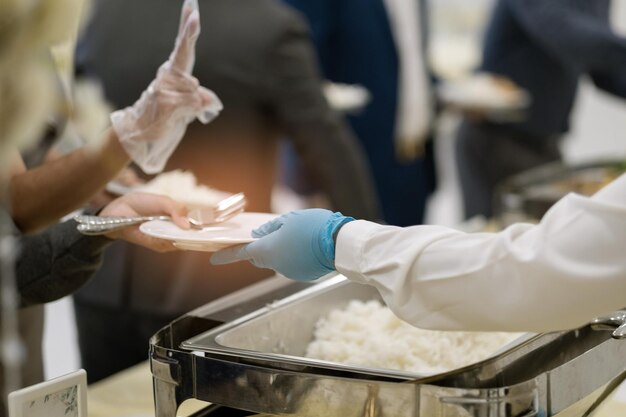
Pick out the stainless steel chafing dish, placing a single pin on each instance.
(528, 195)
(245, 352)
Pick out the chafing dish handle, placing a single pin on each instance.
(615, 321)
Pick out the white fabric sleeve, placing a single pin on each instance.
(556, 275)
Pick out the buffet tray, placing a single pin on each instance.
(278, 334)
(529, 195)
(230, 353)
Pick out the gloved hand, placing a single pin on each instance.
(151, 128)
(300, 245)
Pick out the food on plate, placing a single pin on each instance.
(184, 187)
(369, 334)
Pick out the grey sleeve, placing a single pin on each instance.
(331, 154)
(56, 262)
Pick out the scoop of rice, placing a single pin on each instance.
(369, 334)
(183, 186)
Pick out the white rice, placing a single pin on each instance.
(183, 186)
(369, 334)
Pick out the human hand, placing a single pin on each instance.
(299, 244)
(126, 178)
(151, 128)
(144, 204)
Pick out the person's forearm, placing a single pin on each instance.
(556, 275)
(44, 194)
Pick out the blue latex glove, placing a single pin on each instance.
(298, 244)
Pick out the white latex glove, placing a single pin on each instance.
(151, 128)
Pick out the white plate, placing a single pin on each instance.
(236, 231)
(485, 93)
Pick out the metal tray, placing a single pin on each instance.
(529, 195)
(278, 334)
(564, 374)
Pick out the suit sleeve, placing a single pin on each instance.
(320, 15)
(610, 80)
(329, 151)
(556, 275)
(56, 263)
(577, 38)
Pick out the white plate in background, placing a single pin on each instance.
(484, 93)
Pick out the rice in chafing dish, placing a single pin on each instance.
(369, 334)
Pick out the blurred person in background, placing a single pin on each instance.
(382, 46)
(56, 261)
(545, 47)
(258, 58)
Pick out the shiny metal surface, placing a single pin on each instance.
(224, 210)
(279, 333)
(198, 218)
(615, 321)
(527, 196)
(558, 374)
(99, 225)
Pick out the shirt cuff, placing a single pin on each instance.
(351, 239)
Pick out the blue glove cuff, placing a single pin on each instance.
(327, 242)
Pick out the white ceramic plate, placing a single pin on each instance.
(236, 231)
(485, 93)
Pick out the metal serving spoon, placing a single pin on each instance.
(198, 218)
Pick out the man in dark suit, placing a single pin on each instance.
(357, 43)
(544, 47)
(257, 56)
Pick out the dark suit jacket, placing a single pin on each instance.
(546, 46)
(356, 46)
(257, 57)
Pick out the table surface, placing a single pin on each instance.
(129, 394)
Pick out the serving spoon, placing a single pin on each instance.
(198, 218)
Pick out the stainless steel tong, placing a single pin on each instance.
(198, 218)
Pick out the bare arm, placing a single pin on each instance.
(42, 195)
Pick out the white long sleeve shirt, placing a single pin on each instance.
(558, 274)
